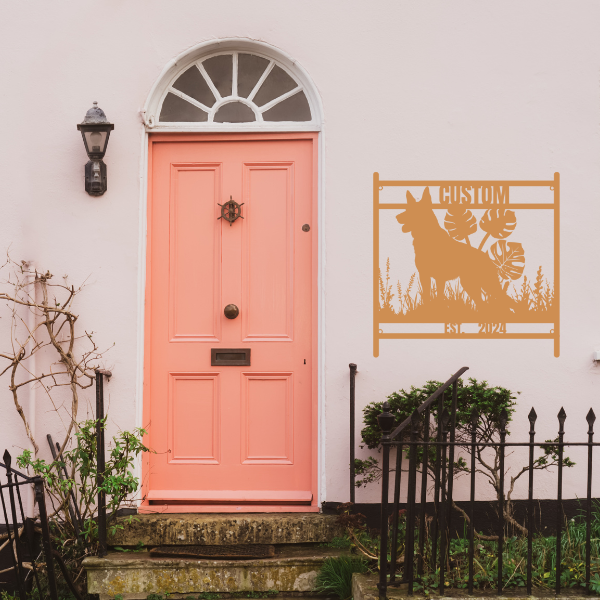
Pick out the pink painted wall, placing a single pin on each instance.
(461, 90)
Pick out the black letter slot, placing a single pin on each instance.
(229, 357)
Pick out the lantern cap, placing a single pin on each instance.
(95, 115)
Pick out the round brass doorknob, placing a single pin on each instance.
(231, 311)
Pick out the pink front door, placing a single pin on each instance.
(229, 401)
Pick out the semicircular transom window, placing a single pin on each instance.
(234, 87)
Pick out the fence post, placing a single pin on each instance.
(437, 483)
(559, 512)
(474, 423)
(443, 424)
(100, 462)
(396, 512)
(503, 422)
(409, 544)
(532, 419)
(422, 515)
(590, 418)
(386, 422)
(352, 432)
(41, 500)
(449, 496)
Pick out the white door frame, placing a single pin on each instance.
(150, 124)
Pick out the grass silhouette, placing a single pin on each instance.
(531, 303)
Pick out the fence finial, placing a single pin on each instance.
(591, 418)
(386, 419)
(532, 416)
(503, 419)
(7, 459)
(474, 416)
(562, 416)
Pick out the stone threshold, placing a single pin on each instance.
(225, 529)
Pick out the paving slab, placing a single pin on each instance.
(135, 575)
(225, 529)
(364, 587)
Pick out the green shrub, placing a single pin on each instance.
(492, 405)
(335, 576)
(339, 542)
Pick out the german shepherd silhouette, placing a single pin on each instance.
(442, 258)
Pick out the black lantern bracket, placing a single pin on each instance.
(95, 130)
(231, 211)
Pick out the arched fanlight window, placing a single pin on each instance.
(234, 87)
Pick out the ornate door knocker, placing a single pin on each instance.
(231, 210)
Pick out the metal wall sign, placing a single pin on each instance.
(466, 260)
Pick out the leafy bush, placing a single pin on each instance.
(490, 402)
(82, 470)
(80, 464)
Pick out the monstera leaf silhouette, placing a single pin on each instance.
(509, 258)
(460, 223)
(497, 222)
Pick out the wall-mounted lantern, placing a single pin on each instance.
(95, 130)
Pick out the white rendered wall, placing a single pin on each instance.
(432, 90)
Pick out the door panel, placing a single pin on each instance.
(268, 267)
(194, 252)
(231, 434)
(194, 417)
(267, 418)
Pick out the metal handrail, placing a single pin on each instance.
(429, 401)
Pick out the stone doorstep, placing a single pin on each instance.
(226, 529)
(364, 587)
(137, 575)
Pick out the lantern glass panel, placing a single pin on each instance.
(95, 141)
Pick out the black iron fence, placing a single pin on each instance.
(432, 459)
(30, 562)
(21, 538)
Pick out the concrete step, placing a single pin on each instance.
(226, 529)
(364, 587)
(135, 575)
